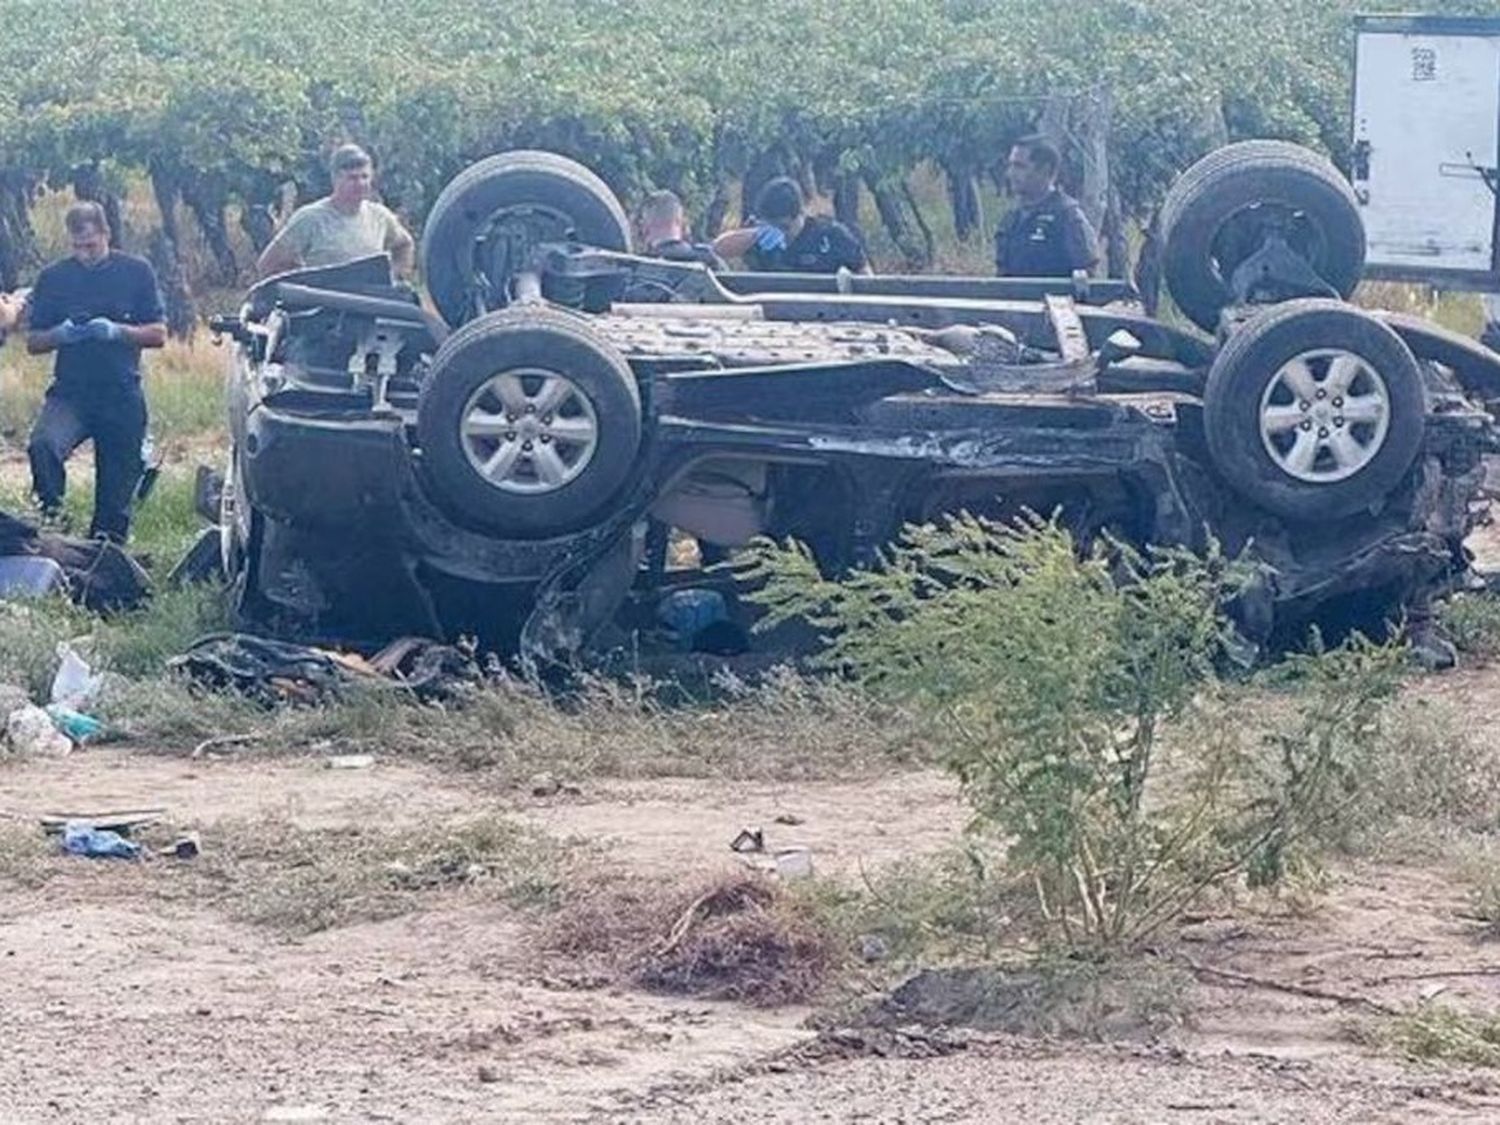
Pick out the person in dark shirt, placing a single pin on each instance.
(783, 238)
(663, 227)
(1047, 233)
(96, 309)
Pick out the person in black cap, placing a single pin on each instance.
(1047, 233)
(783, 238)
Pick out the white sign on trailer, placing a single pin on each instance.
(1427, 142)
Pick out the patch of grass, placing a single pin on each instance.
(1457, 312)
(162, 528)
(934, 909)
(1429, 764)
(1473, 622)
(184, 389)
(1113, 998)
(1437, 1032)
(300, 881)
(25, 854)
(786, 728)
(1478, 864)
(135, 644)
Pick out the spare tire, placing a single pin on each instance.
(1217, 212)
(489, 216)
(529, 424)
(1314, 410)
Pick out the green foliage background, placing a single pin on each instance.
(220, 104)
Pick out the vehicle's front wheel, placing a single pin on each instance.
(1314, 410)
(529, 424)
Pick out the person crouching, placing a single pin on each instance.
(96, 309)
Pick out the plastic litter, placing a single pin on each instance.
(75, 724)
(32, 734)
(82, 838)
(30, 576)
(75, 683)
(686, 613)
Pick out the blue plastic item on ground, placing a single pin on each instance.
(688, 612)
(29, 576)
(75, 724)
(82, 838)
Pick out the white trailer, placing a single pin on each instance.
(1427, 146)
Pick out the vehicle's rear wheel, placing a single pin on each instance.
(1220, 211)
(491, 216)
(1314, 410)
(529, 424)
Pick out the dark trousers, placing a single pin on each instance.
(116, 423)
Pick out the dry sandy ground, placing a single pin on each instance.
(114, 1003)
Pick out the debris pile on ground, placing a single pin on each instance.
(97, 574)
(737, 938)
(742, 939)
(274, 671)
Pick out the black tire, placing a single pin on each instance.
(564, 198)
(534, 339)
(1237, 389)
(1210, 215)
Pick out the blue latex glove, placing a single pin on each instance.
(69, 332)
(770, 238)
(102, 328)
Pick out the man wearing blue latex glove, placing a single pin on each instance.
(96, 309)
(784, 238)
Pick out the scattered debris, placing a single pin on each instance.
(791, 820)
(221, 740)
(77, 726)
(31, 733)
(30, 577)
(742, 939)
(872, 948)
(749, 840)
(75, 684)
(186, 846)
(794, 863)
(100, 576)
(488, 1073)
(350, 761)
(545, 785)
(202, 562)
(82, 838)
(124, 821)
(281, 672)
(687, 613)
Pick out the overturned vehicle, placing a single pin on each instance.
(498, 467)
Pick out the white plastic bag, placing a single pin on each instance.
(75, 683)
(32, 734)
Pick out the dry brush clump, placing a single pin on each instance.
(735, 937)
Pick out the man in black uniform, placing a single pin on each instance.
(783, 238)
(664, 232)
(97, 309)
(1047, 233)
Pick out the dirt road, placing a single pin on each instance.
(127, 991)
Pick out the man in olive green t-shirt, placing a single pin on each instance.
(345, 225)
